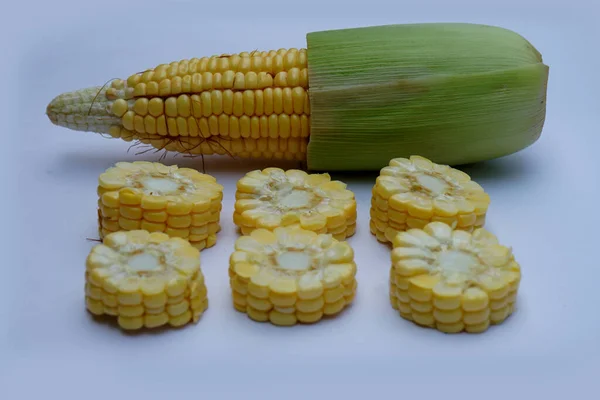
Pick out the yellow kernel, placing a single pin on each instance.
(304, 126)
(205, 100)
(172, 126)
(256, 63)
(212, 64)
(265, 80)
(196, 105)
(176, 85)
(138, 124)
(273, 126)
(139, 90)
(238, 104)
(213, 125)
(161, 125)
(152, 89)
(119, 107)
(298, 95)
(223, 125)
(207, 80)
(228, 102)
(239, 81)
(171, 107)
(254, 127)
(248, 100)
(284, 126)
(186, 84)
(295, 125)
(277, 100)
(203, 127)
(277, 64)
(197, 83)
(127, 120)
(183, 68)
(183, 105)
(280, 79)
(192, 126)
(251, 80)
(258, 103)
(289, 60)
(288, 105)
(216, 100)
(217, 80)
(182, 128)
(222, 64)
(202, 64)
(245, 126)
(228, 79)
(293, 77)
(234, 127)
(153, 226)
(155, 107)
(306, 105)
(164, 87)
(130, 323)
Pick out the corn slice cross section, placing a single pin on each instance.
(273, 197)
(180, 202)
(452, 280)
(146, 280)
(291, 275)
(411, 192)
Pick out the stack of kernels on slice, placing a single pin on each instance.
(453, 280)
(145, 280)
(273, 197)
(180, 202)
(291, 275)
(409, 193)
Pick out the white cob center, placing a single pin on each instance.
(295, 199)
(456, 261)
(294, 261)
(160, 185)
(144, 262)
(436, 186)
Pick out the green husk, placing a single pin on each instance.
(454, 93)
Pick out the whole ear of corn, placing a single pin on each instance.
(354, 99)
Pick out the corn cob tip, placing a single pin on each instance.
(85, 109)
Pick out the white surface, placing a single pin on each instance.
(544, 204)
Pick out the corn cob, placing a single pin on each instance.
(410, 193)
(273, 197)
(291, 275)
(453, 280)
(145, 280)
(351, 100)
(180, 202)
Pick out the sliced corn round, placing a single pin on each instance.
(273, 197)
(291, 275)
(145, 280)
(453, 280)
(410, 193)
(180, 202)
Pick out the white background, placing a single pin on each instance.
(544, 205)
